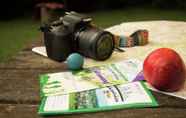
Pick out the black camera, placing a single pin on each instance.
(75, 32)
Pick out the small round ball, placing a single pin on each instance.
(75, 61)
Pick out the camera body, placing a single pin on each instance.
(75, 33)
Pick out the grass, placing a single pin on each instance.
(113, 17)
(16, 33)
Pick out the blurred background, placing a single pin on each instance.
(20, 19)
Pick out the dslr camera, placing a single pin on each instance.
(75, 32)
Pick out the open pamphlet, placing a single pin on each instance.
(106, 87)
(130, 95)
(90, 78)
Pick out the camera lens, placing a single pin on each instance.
(95, 43)
(104, 46)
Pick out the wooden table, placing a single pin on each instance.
(19, 92)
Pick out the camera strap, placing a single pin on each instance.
(119, 49)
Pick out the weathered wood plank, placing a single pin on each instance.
(24, 73)
(30, 111)
(30, 60)
(18, 111)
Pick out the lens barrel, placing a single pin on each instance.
(95, 43)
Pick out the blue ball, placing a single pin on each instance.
(75, 61)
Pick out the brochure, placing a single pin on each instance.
(130, 95)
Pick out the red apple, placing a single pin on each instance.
(165, 70)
